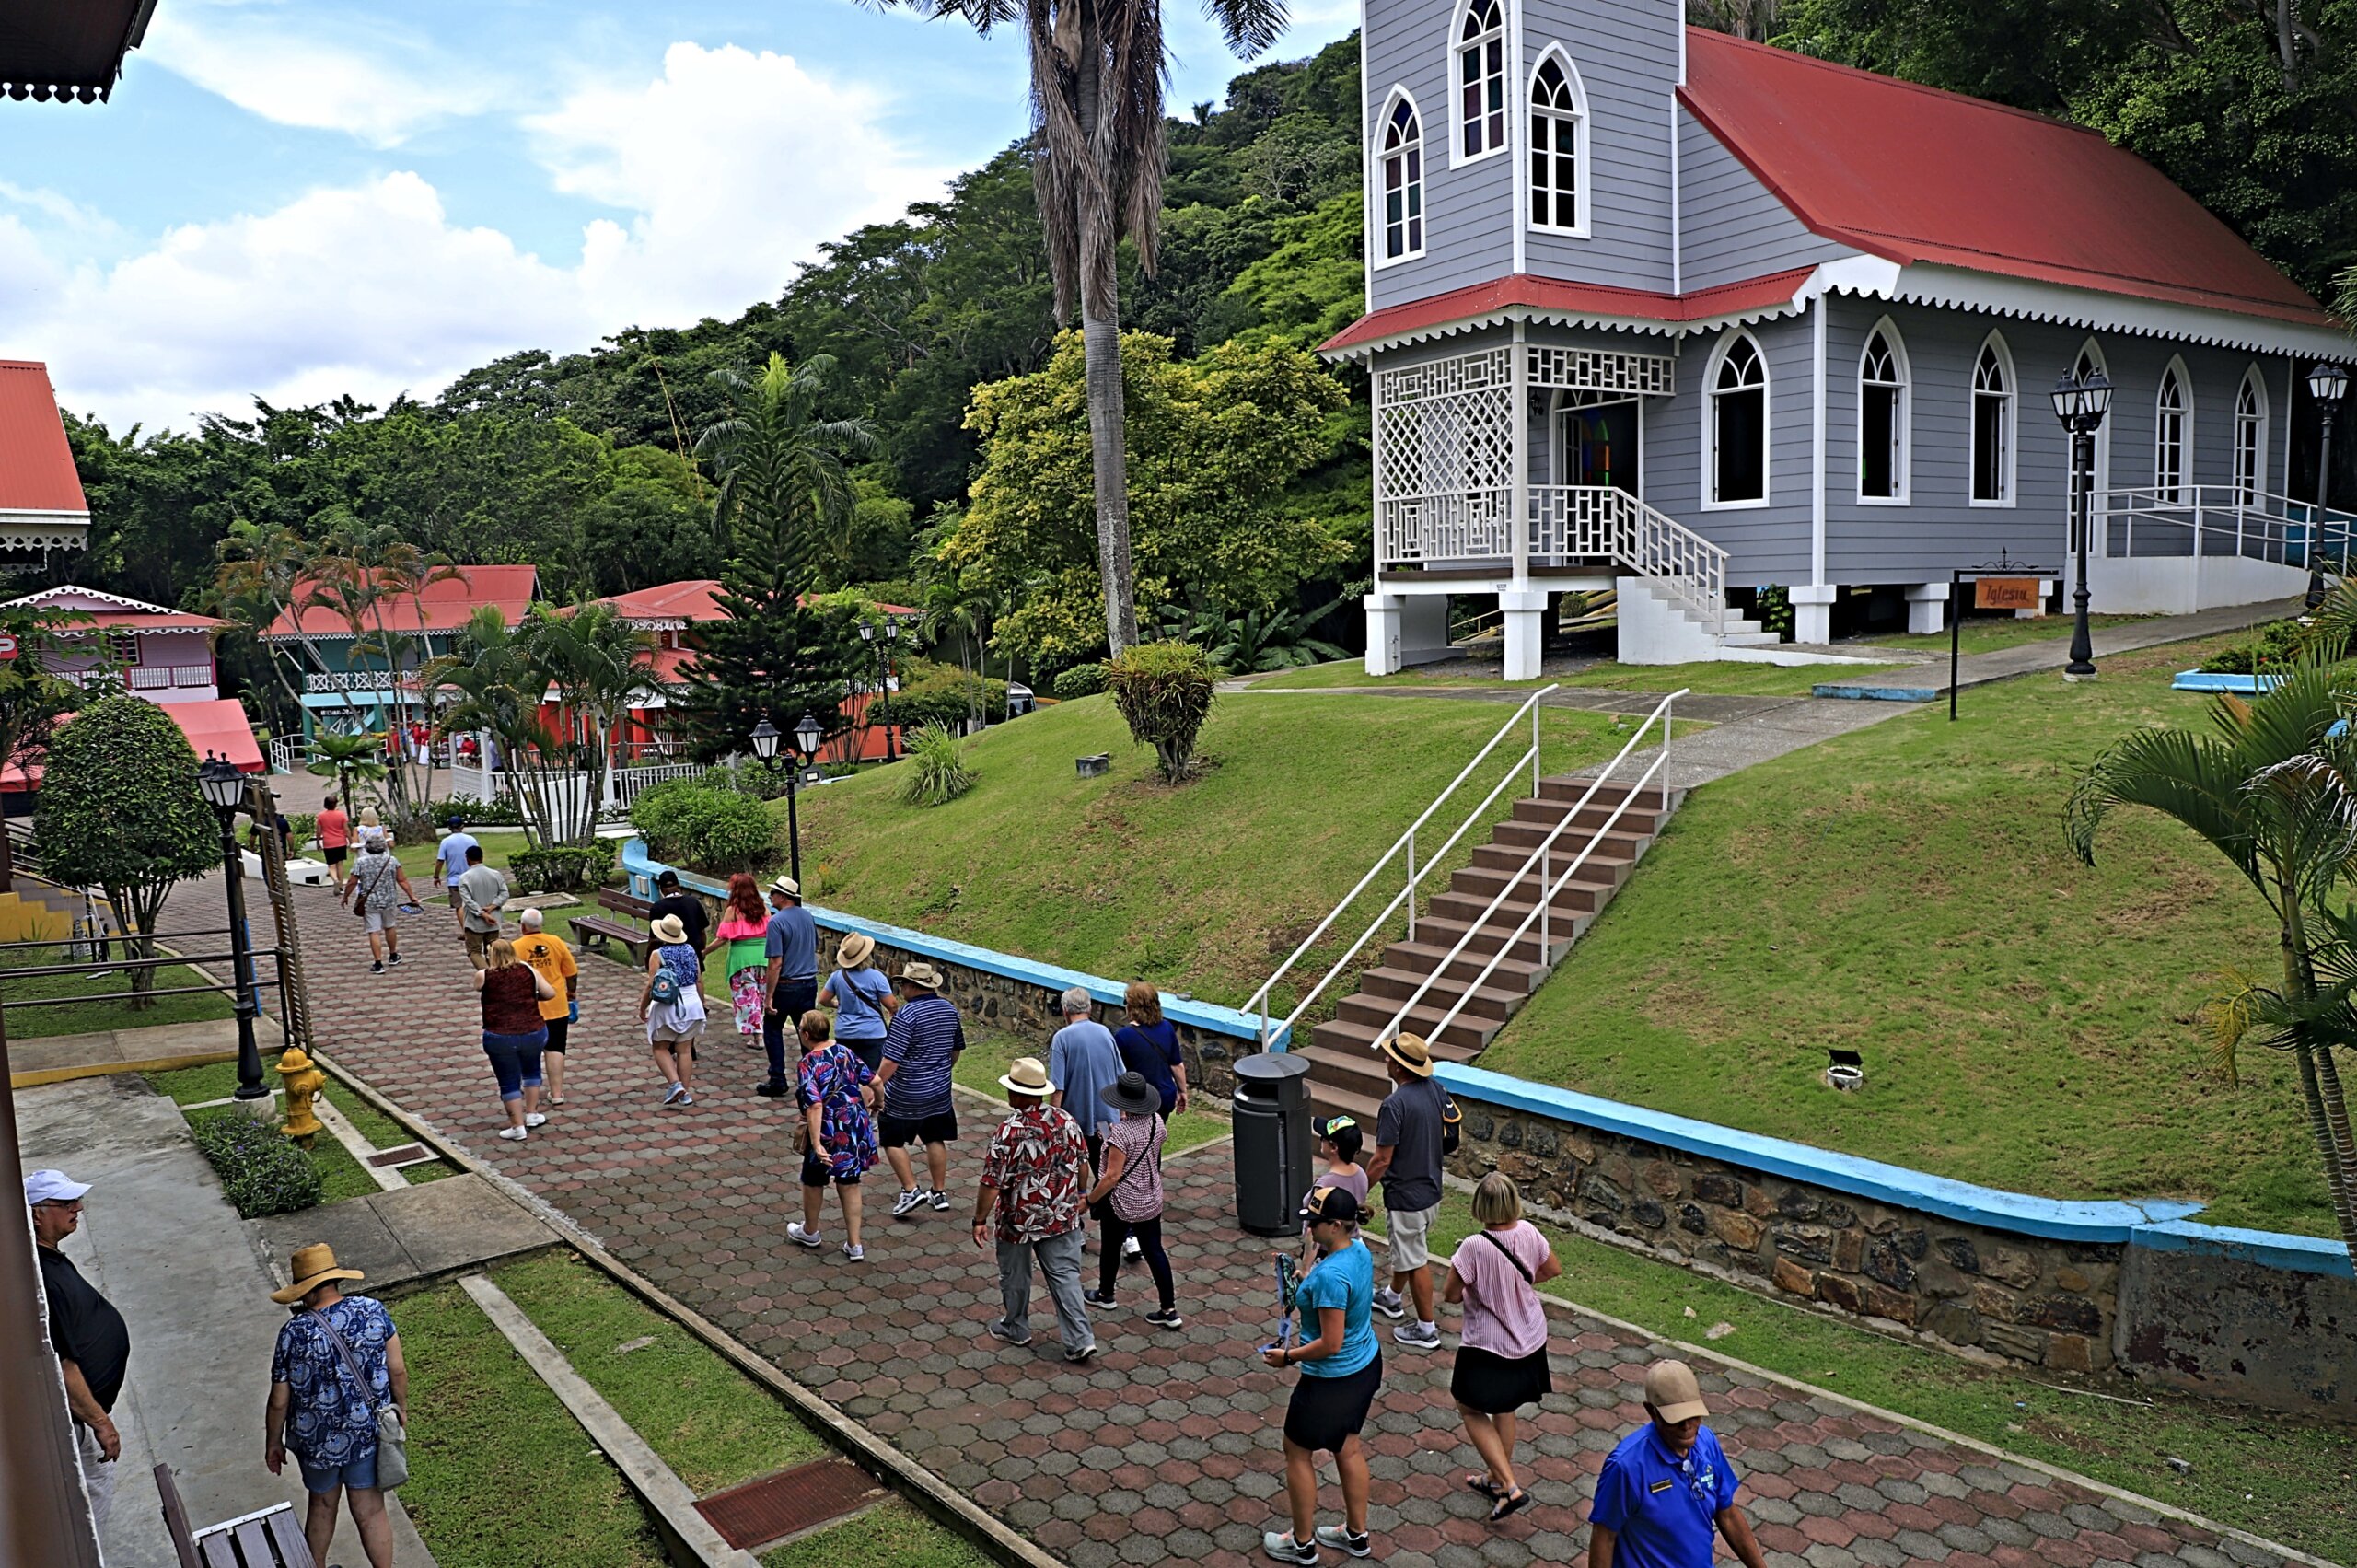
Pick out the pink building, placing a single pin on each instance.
(166, 654)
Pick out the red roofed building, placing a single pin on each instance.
(351, 686)
(1654, 309)
(41, 506)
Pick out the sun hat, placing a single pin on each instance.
(1131, 1093)
(312, 1267)
(1330, 1205)
(788, 886)
(1411, 1052)
(51, 1187)
(924, 974)
(854, 950)
(668, 929)
(1023, 1075)
(1671, 1390)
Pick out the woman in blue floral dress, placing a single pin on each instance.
(837, 1131)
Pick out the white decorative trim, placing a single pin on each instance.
(1376, 258)
(1366, 195)
(2186, 478)
(1903, 465)
(28, 527)
(1583, 170)
(47, 594)
(1505, 34)
(1957, 289)
(1818, 308)
(2255, 381)
(1517, 134)
(1613, 371)
(1541, 315)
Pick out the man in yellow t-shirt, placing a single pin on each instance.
(553, 961)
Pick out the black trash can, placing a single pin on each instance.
(1275, 1152)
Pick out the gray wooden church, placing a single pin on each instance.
(1652, 308)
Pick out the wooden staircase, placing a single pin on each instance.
(1346, 1073)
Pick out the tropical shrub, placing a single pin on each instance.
(1164, 692)
(933, 692)
(1080, 680)
(562, 868)
(2276, 646)
(502, 813)
(261, 1169)
(688, 822)
(302, 827)
(935, 768)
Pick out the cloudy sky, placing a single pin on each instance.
(298, 198)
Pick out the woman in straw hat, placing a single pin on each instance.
(514, 1034)
(338, 1361)
(744, 934)
(672, 1007)
(862, 997)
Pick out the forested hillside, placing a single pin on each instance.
(584, 463)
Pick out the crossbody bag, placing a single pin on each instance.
(392, 1437)
(1491, 1238)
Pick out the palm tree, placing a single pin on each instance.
(344, 758)
(1097, 68)
(493, 686)
(364, 572)
(2273, 788)
(596, 661)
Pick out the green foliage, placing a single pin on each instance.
(121, 810)
(344, 758)
(261, 1169)
(501, 813)
(1164, 693)
(1312, 285)
(938, 694)
(1213, 443)
(692, 824)
(2276, 646)
(1254, 642)
(1080, 680)
(562, 868)
(935, 766)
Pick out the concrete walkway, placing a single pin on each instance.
(1165, 1449)
(189, 1277)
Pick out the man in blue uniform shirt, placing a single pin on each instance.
(1667, 1486)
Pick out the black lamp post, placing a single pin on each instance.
(883, 680)
(225, 791)
(2327, 384)
(806, 736)
(2079, 406)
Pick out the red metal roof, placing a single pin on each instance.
(697, 598)
(1560, 297)
(447, 605)
(1914, 174)
(36, 465)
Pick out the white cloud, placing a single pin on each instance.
(288, 66)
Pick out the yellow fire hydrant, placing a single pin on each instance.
(303, 1082)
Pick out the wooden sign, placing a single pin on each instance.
(2006, 592)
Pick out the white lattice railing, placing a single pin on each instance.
(624, 785)
(1599, 522)
(1431, 530)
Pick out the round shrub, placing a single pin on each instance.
(1080, 680)
(688, 823)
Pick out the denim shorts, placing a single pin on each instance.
(357, 1473)
(516, 1059)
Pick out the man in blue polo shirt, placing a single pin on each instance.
(792, 983)
(1668, 1486)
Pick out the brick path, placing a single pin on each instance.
(1167, 1446)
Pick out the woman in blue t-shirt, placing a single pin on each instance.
(1149, 1046)
(1341, 1370)
(862, 998)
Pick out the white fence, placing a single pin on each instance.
(624, 785)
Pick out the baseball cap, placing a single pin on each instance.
(51, 1187)
(1332, 1205)
(1672, 1391)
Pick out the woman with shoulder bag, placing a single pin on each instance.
(376, 891)
(339, 1400)
(863, 999)
(1502, 1344)
(1128, 1195)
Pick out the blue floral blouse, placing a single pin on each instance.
(328, 1420)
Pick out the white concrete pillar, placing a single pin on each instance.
(1423, 628)
(1925, 606)
(1525, 615)
(2044, 592)
(1382, 634)
(1812, 610)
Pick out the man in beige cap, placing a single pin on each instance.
(1408, 1130)
(338, 1361)
(1668, 1486)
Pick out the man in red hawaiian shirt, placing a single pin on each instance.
(1036, 1175)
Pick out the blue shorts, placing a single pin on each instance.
(516, 1059)
(357, 1473)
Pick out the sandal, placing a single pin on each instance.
(1508, 1504)
(1485, 1486)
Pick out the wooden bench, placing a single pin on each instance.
(596, 929)
(273, 1537)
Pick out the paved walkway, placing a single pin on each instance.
(1165, 1449)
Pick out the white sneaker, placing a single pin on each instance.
(535, 1120)
(913, 1197)
(855, 1254)
(514, 1134)
(1129, 1248)
(808, 1238)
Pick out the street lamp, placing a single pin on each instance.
(225, 791)
(806, 736)
(2079, 406)
(2327, 384)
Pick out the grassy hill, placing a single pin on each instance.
(1203, 888)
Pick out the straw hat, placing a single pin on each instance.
(668, 929)
(312, 1267)
(1672, 1391)
(1411, 1052)
(924, 974)
(788, 886)
(1026, 1076)
(854, 950)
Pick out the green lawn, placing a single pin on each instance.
(705, 1419)
(891, 1533)
(1716, 678)
(2263, 1473)
(990, 1053)
(36, 1023)
(218, 1080)
(1905, 890)
(1202, 888)
(1987, 633)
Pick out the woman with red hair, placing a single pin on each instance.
(744, 931)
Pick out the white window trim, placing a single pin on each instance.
(1580, 163)
(2257, 384)
(1903, 469)
(1710, 464)
(2012, 497)
(1458, 156)
(1376, 258)
(2185, 478)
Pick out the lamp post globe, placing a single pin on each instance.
(2327, 384)
(806, 736)
(225, 790)
(764, 739)
(2066, 397)
(868, 631)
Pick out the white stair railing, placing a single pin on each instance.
(1413, 874)
(2215, 520)
(1602, 522)
(1540, 860)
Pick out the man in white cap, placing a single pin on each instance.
(92, 1342)
(1667, 1486)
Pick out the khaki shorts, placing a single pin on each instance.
(1411, 1237)
(478, 942)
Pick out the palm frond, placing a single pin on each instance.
(2177, 774)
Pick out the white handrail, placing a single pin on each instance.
(1259, 1000)
(1541, 857)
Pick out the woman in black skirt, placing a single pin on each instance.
(1502, 1349)
(1341, 1370)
